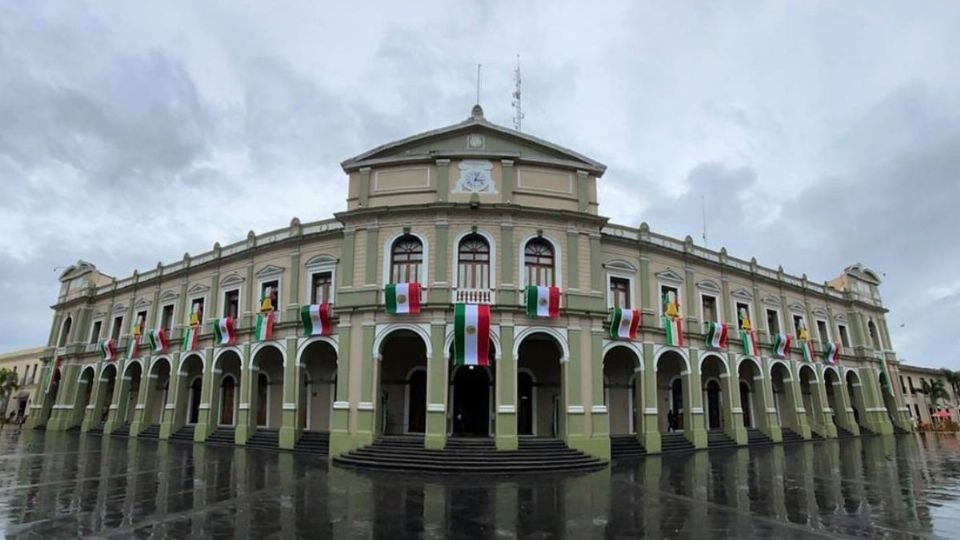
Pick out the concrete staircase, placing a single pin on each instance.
(184, 434)
(474, 455)
(223, 436)
(717, 440)
(673, 442)
(268, 439)
(150, 432)
(790, 436)
(314, 442)
(755, 437)
(897, 430)
(844, 434)
(122, 431)
(96, 429)
(626, 446)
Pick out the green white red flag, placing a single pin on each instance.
(543, 302)
(158, 340)
(806, 347)
(781, 345)
(316, 319)
(191, 338)
(133, 347)
(674, 331)
(471, 334)
(748, 338)
(49, 380)
(224, 332)
(402, 298)
(264, 328)
(832, 353)
(624, 323)
(108, 350)
(716, 335)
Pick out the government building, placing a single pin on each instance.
(570, 331)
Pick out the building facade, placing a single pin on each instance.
(474, 213)
(920, 406)
(26, 364)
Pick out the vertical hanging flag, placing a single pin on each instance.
(108, 350)
(748, 338)
(158, 340)
(781, 345)
(264, 328)
(402, 298)
(224, 332)
(716, 335)
(316, 319)
(49, 380)
(471, 334)
(191, 335)
(672, 321)
(806, 347)
(624, 323)
(831, 354)
(134, 345)
(543, 302)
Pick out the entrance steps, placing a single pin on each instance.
(223, 436)
(314, 442)
(184, 434)
(897, 430)
(844, 434)
(790, 436)
(122, 431)
(477, 455)
(264, 438)
(755, 437)
(96, 429)
(150, 432)
(626, 446)
(674, 442)
(717, 440)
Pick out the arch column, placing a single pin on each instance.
(205, 418)
(876, 412)
(650, 410)
(435, 434)
(768, 413)
(845, 416)
(369, 405)
(143, 395)
(573, 412)
(505, 432)
(118, 401)
(71, 411)
(245, 417)
(693, 421)
(171, 422)
(733, 412)
(795, 401)
(340, 439)
(820, 424)
(61, 409)
(824, 412)
(599, 415)
(290, 405)
(90, 413)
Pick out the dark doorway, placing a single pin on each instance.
(713, 403)
(676, 391)
(226, 401)
(417, 404)
(262, 400)
(525, 403)
(193, 415)
(471, 401)
(745, 404)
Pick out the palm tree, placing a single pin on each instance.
(953, 377)
(935, 390)
(8, 385)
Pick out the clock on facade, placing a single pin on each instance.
(475, 177)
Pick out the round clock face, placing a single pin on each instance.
(475, 180)
(475, 141)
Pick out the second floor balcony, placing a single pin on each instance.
(473, 296)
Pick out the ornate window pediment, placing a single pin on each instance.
(820, 312)
(709, 285)
(771, 301)
(168, 295)
(742, 294)
(669, 277)
(119, 308)
(269, 270)
(142, 303)
(321, 261)
(198, 289)
(798, 308)
(619, 265)
(841, 319)
(233, 278)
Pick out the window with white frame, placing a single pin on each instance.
(406, 258)
(117, 327)
(874, 335)
(271, 289)
(473, 262)
(539, 262)
(196, 310)
(773, 321)
(65, 331)
(822, 331)
(798, 323)
(166, 318)
(708, 308)
(844, 336)
(95, 331)
(743, 312)
(231, 303)
(668, 291)
(620, 292)
(141, 319)
(321, 287)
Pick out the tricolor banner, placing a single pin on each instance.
(748, 338)
(471, 335)
(158, 340)
(264, 328)
(806, 347)
(886, 381)
(543, 302)
(674, 331)
(624, 323)
(133, 346)
(716, 335)
(191, 337)
(108, 350)
(224, 332)
(316, 319)
(402, 298)
(781, 345)
(49, 380)
(832, 353)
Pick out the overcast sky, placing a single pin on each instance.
(819, 134)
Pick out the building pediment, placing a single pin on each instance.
(142, 303)
(620, 265)
(798, 308)
(771, 301)
(168, 295)
(198, 289)
(709, 285)
(321, 261)
(742, 294)
(670, 277)
(269, 270)
(233, 278)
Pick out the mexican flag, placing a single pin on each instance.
(158, 340)
(748, 338)
(264, 328)
(402, 298)
(133, 347)
(316, 319)
(49, 379)
(807, 349)
(543, 302)
(832, 354)
(471, 335)
(624, 323)
(674, 331)
(191, 336)
(108, 350)
(781, 345)
(716, 335)
(224, 332)
(887, 383)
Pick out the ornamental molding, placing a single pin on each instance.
(197, 289)
(142, 303)
(798, 308)
(742, 294)
(168, 294)
(670, 277)
(119, 308)
(820, 312)
(233, 278)
(709, 285)
(320, 261)
(771, 301)
(269, 270)
(620, 265)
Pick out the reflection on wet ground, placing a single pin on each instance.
(64, 484)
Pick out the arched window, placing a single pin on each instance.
(65, 332)
(874, 336)
(538, 260)
(473, 260)
(406, 256)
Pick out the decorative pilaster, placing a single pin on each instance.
(766, 410)
(599, 416)
(208, 391)
(443, 179)
(340, 438)
(246, 418)
(435, 437)
(292, 386)
(506, 393)
(368, 406)
(695, 430)
(574, 429)
(171, 420)
(651, 425)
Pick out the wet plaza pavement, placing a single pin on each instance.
(55, 485)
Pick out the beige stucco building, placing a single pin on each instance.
(474, 212)
(919, 405)
(27, 365)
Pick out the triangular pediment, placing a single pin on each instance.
(742, 294)
(269, 271)
(142, 303)
(198, 289)
(709, 285)
(478, 138)
(168, 295)
(233, 278)
(669, 276)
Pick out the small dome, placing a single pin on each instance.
(476, 112)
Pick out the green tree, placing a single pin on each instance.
(8, 385)
(935, 390)
(953, 378)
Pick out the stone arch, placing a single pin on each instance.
(400, 349)
(384, 333)
(750, 360)
(260, 347)
(558, 336)
(715, 396)
(543, 354)
(130, 364)
(318, 362)
(658, 354)
(631, 346)
(156, 361)
(704, 355)
(111, 366)
(621, 371)
(784, 365)
(220, 352)
(93, 373)
(185, 359)
(305, 344)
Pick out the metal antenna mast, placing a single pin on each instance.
(703, 213)
(479, 67)
(517, 107)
